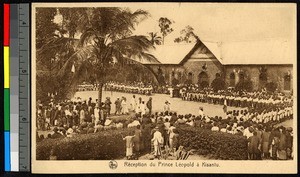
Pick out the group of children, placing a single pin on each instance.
(236, 98)
(136, 88)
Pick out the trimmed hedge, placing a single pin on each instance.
(220, 145)
(108, 144)
(104, 145)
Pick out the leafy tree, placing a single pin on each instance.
(218, 84)
(155, 39)
(271, 86)
(106, 40)
(49, 46)
(186, 35)
(244, 85)
(71, 20)
(165, 27)
(45, 26)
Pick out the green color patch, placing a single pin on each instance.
(6, 110)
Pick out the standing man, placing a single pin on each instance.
(225, 105)
(82, 115)
(107, 105)
(97, 114)
(118, 106)
(167, 106)
(149, 105)
(143, 108)
(133, 103)
(157, 142)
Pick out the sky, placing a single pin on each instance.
(223, 22)
(217, 22)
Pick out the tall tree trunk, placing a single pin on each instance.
(100, 93)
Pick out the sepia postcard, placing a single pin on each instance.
(164, 88)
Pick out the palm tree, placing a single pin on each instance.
(154, 38)
(107, 39)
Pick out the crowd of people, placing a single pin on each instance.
(135, 88)
(76, 112)
(257, 99)
(256, 123)
(86, 87)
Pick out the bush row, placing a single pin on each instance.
(105, 145)
(217, 144)
(108, 144)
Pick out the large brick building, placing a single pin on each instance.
(199, 63)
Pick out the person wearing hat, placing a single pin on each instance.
(157, 142)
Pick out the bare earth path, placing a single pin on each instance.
(177, 104)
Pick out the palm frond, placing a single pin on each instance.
(81, 56)
(86, 36)
(133, 44)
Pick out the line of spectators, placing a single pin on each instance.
(237, 98)
(257, 125)
(136, 87)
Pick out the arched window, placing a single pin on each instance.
(218, 75)
(203, 80)
(287, 82)
(190, 76)
(232, 79)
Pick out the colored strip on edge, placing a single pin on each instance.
(6, 24)
(7, 151)
(6, 39)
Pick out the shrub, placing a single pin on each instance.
(246, 85)
(220, 145)
(218, 84)
(104, 145)
(271, 86)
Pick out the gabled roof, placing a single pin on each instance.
(253, 52)
(170, 54)
(261, 52)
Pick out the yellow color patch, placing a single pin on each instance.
(6, 67)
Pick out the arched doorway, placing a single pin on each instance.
(232, 79)
(287, 82)
(203, 80)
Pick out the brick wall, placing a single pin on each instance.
(275, 73)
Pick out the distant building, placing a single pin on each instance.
(199, 63)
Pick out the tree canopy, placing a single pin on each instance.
(105, 41)
(165, 27)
